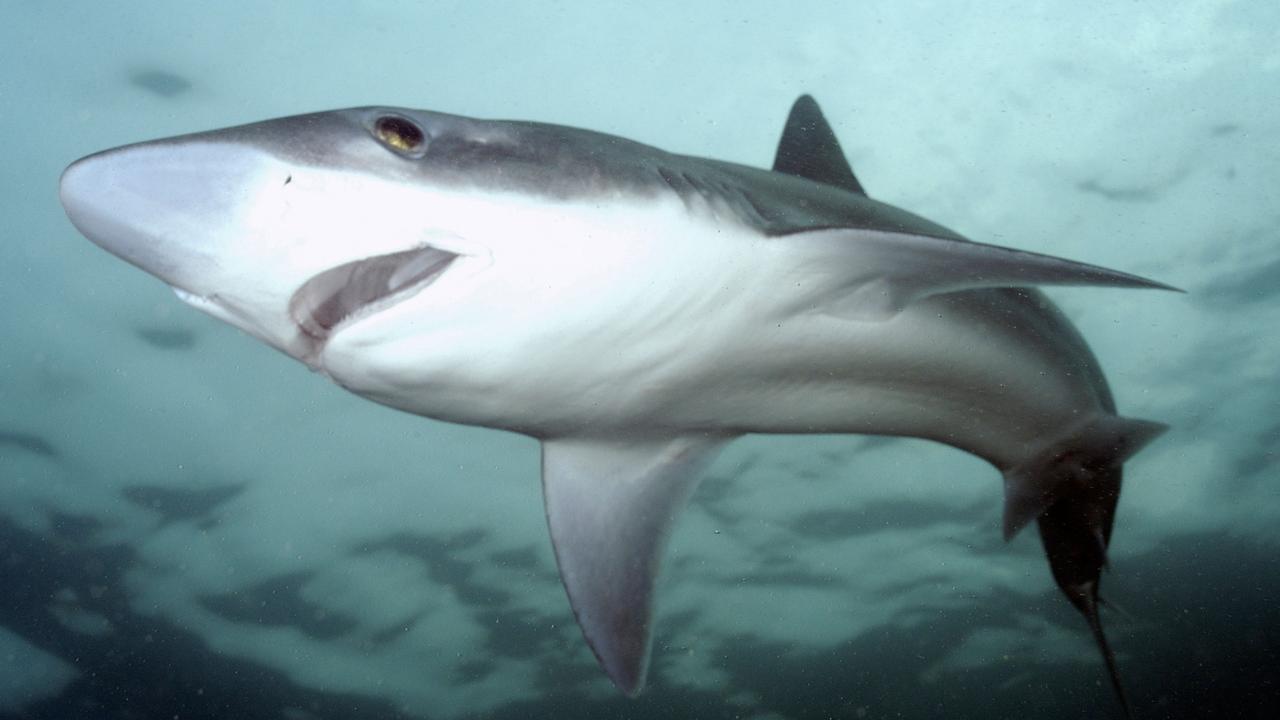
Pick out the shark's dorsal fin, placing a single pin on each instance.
(610, 506)
(809, 149)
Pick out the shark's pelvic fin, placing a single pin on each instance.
(1074, 464)
(872, 275)
(809, 149)
(610, 506)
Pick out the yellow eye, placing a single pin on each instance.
(399, 134)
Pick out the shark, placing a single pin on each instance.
(634, 310)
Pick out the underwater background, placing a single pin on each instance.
(194, 526)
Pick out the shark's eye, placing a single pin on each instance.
(399, 134)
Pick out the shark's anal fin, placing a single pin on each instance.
(611, 504)
(809, 149)
(872, 275)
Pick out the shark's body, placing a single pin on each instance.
(631, 308)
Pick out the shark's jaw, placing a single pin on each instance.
(355, 290)
(337, 298)
(250, 237)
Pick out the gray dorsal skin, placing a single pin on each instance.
(634, 310)
(809, 149)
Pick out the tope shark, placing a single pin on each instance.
(634, 310)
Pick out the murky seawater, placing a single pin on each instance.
(193, 526)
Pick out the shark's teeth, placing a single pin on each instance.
(360, 287)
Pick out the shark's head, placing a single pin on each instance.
(288, 228)
(416, 258)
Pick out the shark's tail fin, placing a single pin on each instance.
(1075, 532)
(1072, 488)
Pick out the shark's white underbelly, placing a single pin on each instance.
(944, 369)
(705, 328)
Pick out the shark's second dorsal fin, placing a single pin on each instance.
(809, 149)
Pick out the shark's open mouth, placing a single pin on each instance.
(363, 287)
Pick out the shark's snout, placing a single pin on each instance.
(165, 207)
(95, 193)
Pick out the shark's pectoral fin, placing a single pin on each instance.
(611, 504)
(873, 275)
